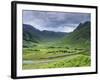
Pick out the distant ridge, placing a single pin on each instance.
(30, 33)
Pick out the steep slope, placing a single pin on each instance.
(30, 33)
(80, 36)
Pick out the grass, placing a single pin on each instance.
(54, 56)
(70, 61)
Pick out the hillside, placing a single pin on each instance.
(30, 33)
(80, 36)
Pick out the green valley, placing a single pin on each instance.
(49, 49)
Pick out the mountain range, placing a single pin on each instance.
(80, 36)
(30, 33)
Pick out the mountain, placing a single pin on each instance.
(30, 33)
(80, 36)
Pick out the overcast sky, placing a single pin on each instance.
(54, 21)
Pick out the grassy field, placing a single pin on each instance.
(50, 55)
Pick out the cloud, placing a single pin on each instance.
(56, 21)
(61, 29)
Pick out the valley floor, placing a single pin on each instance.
(49, 55)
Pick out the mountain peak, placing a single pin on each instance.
(81, 25)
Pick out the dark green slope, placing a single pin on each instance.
(80, 36)
(30, 33)
(30, 37)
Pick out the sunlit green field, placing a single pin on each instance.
(49, 55)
